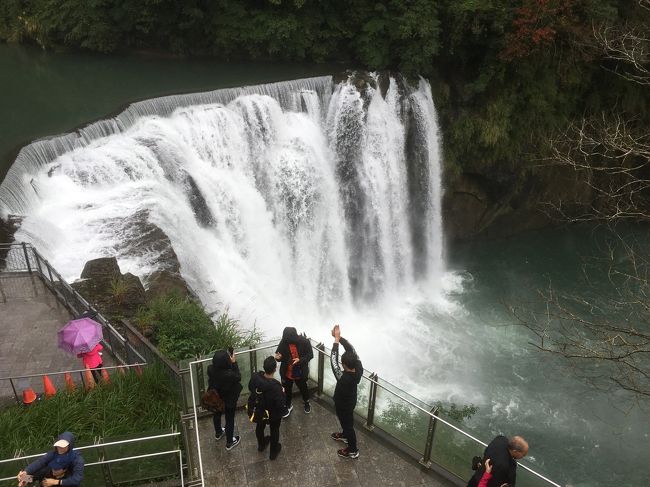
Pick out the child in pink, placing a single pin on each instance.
(93, 360)
(487, 475)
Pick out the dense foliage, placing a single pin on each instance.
(508, 72)
(182, 329)
(129, 405)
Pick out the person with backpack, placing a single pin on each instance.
(266, 405)
(294, 353)
(225, 378)
(345, 393)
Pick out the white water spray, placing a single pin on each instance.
(301, 202)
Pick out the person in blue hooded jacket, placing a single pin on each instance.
(61, 466)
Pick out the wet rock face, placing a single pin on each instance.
(479, 205)
(113, 293)
(165, 282)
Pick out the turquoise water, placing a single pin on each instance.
(579, 435)
(583, 430)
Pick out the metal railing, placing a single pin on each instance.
(434, 446)
(24, 258)
(99, 453)
(421, 429)
(16, 380)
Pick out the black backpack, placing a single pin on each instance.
(256, 407)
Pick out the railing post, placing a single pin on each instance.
(11, 381)
(38, 262)
(370, 422)
(29, 267)
(49, 273)
(183, 375)
(200, 377)
(252, 356)
(321, 368)
(187, 425)
(428, 447)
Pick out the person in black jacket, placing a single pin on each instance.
(224, 377)
(294, 353)
(503, 453)
(274, 403)
(345, 393)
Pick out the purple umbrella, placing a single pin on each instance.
(80, 336)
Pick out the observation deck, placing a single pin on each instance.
(402, 440)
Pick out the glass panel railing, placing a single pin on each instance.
(528, 479)
(142, 469)
(454, 451)
(401, 420)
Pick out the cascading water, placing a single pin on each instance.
(298, 202)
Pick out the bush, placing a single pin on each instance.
(130, 404)
(182, 329)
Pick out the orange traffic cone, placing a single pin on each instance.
(49, 388)
(69, 383)
(29, 396)
(90, 380)
(138, 370)
(105, 378)
(121, 370)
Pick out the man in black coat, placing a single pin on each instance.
(294, 353)
(225, 378)
(273, 402)
(345, 393)
(503, 454)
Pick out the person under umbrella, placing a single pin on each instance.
(82, 338)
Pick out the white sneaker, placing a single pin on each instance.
(288, 412)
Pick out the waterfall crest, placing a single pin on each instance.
(292, 199)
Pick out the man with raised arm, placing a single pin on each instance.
(345, 393)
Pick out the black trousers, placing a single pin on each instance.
(346, 418)
(288, 389)
(97, 373)
(274, 425)
(230, 423)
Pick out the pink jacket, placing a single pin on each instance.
(485, 479)
(92, 359)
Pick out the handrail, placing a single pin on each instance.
(115, 460)
(438, 418)
(134, 457)
(99, 445)
(72, 371)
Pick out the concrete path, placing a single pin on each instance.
(308, 456)
(30, 316)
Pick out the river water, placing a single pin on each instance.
(438, 328)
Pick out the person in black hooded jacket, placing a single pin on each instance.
(274, 403)
(225, 378)
(294, 353)
(345, 393)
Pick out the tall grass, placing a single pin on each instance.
(130, 404)
(182, 329)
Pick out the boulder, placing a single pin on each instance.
(164, 282)
(111, 292)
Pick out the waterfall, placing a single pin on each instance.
(292, 200)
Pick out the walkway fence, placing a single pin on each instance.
(128, 461)
(23, 258)
(417, 428)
